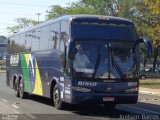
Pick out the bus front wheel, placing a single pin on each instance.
(56, 99)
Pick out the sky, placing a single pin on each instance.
(12, 9)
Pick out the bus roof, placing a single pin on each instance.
(78, 18)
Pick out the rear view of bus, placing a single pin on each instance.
(104, 61)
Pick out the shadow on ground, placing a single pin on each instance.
(82, 109)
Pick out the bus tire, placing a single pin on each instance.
(15, 86)
(22, 94)
(56, 98)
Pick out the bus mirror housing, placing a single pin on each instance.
(147, 44)
(71, 52)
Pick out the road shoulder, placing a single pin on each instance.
(149, 91)
(7, 109)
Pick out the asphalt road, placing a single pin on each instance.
(39, 108)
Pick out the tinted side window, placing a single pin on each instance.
(28, 40)
(35, 41)
(64, 36)
(44, 38)
(16, 44)
(54, 36)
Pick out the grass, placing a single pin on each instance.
(150, 83)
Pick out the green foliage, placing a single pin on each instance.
(154, 6)
(95, 7)
(74, 8)
(21, 24)
(102, 7)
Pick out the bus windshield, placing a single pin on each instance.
(105, 59)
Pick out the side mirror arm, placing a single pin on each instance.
(148, 45)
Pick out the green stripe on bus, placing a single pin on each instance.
(26, 78)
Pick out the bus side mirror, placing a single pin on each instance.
(147, 44)
(71, 52)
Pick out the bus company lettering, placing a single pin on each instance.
(86, 83)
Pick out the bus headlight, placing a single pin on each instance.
(131, 90)
(81, 89)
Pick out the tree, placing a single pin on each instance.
(95, 7)
(22, 23)
(154, 6)
(103, 7)
(74, 8)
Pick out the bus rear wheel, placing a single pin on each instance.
(22, 94)
(56, 99)
(15, 87)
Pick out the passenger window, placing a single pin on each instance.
(54, 36)
(64, 34)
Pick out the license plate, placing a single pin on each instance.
(111, 99)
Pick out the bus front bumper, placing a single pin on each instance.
(104, 98)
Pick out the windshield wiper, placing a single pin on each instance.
(97, 64)
(117, 67)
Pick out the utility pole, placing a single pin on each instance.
(38, 14)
